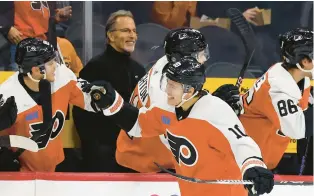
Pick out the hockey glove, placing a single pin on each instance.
(231, 95)
(8, 112)
(262, 178)
(8, 160)
(104, 97)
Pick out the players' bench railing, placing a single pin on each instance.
(108, 184)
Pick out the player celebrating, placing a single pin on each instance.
(140, 153)
(207, 139)
(278, 101)
(37, 65)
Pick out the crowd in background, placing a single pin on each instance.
(134, 43)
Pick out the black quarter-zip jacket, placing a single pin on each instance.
(123, 73)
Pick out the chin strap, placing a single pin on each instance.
(30, 76)
(185, 100)
(307, 71)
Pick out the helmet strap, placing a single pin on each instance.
(307, 71)
(183, 100)
(33, 79)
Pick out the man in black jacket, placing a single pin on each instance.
(98, 134)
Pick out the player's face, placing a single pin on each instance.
(308, 66)
(174, 91)
(50, 68)
(123, 37)
(202, 56)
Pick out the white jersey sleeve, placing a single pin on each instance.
(285, 96)
(290, 115)
(65, 78)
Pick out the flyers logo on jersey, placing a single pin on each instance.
(183, 149)
(42, 137)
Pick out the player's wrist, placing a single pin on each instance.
(115, 107)
(252, 162)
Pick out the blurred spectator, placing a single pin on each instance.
(173, 14)
(250, 15)
(23, 19)
(69, 55)
(99, 135)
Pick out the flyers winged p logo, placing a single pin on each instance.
(183, 149)
(44, 136)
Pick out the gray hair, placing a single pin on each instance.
(114, 16)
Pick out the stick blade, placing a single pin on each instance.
(23, 142)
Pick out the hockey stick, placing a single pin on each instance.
(244, 182)
(247, 36)
(196, 180)
(18, 142)
(308, 141)
(304, 157)
(45, 98)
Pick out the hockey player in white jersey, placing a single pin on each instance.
(43, 89)
(140, 153)
(206, 138)
(278, 101)
(8, 114)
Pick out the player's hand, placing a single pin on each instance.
(250, 15)
(8, 112)
(231, 95)
(105, 92)
(14, 35)
(102, 94)
(63, 14)
(262, 178)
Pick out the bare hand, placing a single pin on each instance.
(63, 14)
(250, 15)
(14, 35)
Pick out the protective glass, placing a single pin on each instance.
(168, 85)
(201, 56)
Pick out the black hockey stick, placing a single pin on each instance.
(45, 99)
(308, 117)
(248, 38)
(304, 157)
(195, 180)
(18, 142)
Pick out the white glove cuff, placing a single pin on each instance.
(115, 107)
(252, 162)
